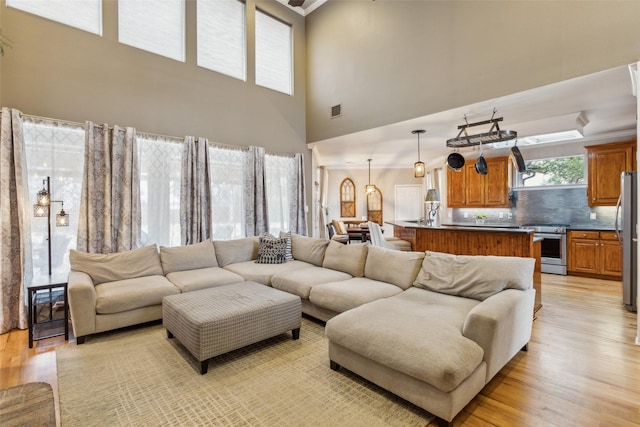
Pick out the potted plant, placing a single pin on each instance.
(479, 217)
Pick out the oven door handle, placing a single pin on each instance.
(550, 236)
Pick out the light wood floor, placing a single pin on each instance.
(582, 367)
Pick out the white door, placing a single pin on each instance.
(408, 202)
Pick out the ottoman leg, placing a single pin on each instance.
(169, 334)
(295, 333)
(204, 367)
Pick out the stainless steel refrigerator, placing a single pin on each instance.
(626, 229)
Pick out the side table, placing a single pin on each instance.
(45, 302)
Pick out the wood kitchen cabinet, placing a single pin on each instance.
(469, 189)
(605, 164)
(594, 254)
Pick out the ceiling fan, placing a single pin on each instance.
(296, 3)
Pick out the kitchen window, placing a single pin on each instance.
(557, 171)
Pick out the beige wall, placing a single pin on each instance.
(61, 72)
(384, 179)
(388, 61)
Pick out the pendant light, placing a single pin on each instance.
(418, 167)
(369, 188)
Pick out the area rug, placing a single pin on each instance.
(27, 405)
(140, 377)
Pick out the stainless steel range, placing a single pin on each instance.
(554, 246)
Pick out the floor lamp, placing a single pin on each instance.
(42, 209)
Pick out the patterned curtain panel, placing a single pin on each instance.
(255, 196)
(298, 217)
(109, 219)
(195, 192)
(15, 247)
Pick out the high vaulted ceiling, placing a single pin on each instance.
(605, 99)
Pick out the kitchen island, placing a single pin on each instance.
(460, 240)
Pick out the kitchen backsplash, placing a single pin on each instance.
(543, 206)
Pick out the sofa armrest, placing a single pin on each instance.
(501, 325)
(82, 303)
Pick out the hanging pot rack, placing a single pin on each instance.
(495, 134)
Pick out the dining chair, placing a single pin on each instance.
(376, 237)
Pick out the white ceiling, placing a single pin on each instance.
(605, 99)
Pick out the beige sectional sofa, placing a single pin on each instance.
(433, 329)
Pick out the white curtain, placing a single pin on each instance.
(195, 192)
(160, 180)
(54, 149)
(228, 166)
(255, 197)
(322, 202)
(297, 209)
(109, 218)
(15, 247)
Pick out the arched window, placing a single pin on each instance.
(374, 206)
(347, 199)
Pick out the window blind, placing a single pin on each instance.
(221, 37)
(274, 53)
(154, 26)
(85, 15)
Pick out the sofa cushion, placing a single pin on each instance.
(300, 282)
(237, 250)
(474, 276)
(272, 250)
(262, 273)
(346, 258)
(103, 268)
(399, 268)
(129, 294)
(201, 278)
(308, 249)
(347, 294)
(188, 257)
(416, 332)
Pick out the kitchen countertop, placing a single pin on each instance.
(479, 228)
(590, 228)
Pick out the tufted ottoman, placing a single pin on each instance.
(217, 320)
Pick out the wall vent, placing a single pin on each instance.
(336, 111)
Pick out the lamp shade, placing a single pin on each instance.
(432, 195)
(369, 188)
(418, 167)
(62, 219)
(43, 198)
(40, 210)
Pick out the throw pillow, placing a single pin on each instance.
(474, 276)
(288, 254)
(271, 250)
(339, 226)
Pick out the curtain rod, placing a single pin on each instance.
(155, 135)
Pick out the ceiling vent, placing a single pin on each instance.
(336, 111)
